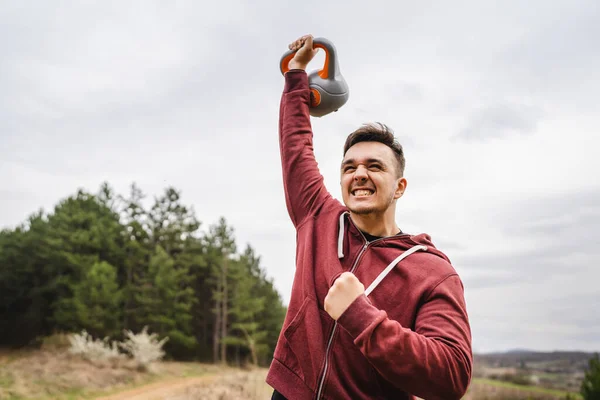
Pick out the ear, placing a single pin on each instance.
(400, 187)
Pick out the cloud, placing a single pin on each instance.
(496, 121)
(556, 56)
(539, 317)
(544, 279)
(553, 234)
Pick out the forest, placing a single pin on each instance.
(104, 263)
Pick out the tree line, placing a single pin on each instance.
(104, 263)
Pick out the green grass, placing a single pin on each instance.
(6, 379)
(534, 389)
(12, 396)
(70, 394)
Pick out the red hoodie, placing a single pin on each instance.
(408, 335)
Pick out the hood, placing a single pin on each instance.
(421, 242)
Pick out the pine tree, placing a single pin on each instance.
(138, 249)
(192, 259)
(82, 231)
(25, 291)
(171, 222)
(246, 306)
(98, 301)
(220, 247)
(166, 302)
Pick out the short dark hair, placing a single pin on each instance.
(378, 132)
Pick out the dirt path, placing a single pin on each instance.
(222, 384)
(161, 390)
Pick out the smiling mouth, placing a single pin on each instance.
(362, 193)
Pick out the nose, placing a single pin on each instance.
(361, 173)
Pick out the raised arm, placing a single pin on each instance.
(304, 186)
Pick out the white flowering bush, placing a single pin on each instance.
(143, 348)
(96, 351)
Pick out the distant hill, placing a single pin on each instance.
(517, 351)
(554, 361)
(562, 370)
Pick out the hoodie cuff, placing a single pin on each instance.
(295, 79)
(360, 315)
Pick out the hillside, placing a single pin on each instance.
(56, 375)
(562, 370)
(46, 374)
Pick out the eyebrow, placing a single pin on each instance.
(368, 161)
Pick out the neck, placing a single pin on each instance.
(382, 225)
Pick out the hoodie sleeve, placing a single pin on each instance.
(303, 184)
(432, 362)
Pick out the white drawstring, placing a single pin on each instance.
(387, 270)
(391, 266)
(341, 237)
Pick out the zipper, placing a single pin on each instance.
(330, 341)
(319, 392)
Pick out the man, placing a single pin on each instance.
(407, 334)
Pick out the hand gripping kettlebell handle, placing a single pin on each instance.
(329, 67)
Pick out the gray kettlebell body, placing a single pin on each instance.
(329, 90)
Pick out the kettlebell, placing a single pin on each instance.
(328, 88)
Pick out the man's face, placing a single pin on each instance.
(369, 179)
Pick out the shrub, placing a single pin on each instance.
(144, 348)
(96, 351)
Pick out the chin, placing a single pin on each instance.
(361, 210)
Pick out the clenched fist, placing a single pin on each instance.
(344, 291)
(304, 52)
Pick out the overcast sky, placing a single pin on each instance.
(496, 104)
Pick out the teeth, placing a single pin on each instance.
(363, 192)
